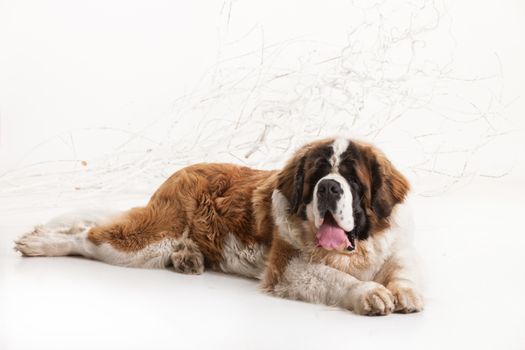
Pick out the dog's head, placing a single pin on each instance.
(335, 192)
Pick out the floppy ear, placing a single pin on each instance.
(290, 182)
(297, 195)
(389, 187)
(361, 225)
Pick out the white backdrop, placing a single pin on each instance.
(98, 96)
(101, 100)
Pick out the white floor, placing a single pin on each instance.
(471, 242)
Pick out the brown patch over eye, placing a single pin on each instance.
(380, 184)
(317, 165)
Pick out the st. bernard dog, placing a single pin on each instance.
(331, 227)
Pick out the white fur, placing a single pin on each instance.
(153, 256)
(316, 283)
(344, 210)
(356, 289)
(321, 284)
(394, 243)
(339, 146)
(343, 214)
(63, 235)
(89, 217)
(242, 260)
(280, 208)
(67, 235)
(56, 240)
(402, 248)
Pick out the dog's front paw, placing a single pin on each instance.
(373, 299)
(407, 299)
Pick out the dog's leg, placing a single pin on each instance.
(321, 284)
(187, 258)
(56, 239)
(140, 237)
(399, 275)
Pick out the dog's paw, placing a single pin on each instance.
(51, 239)
(373, 299)
(34, 243)
(406, 299)
(188, 262)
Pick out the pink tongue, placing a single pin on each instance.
(331, 236)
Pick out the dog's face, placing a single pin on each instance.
(339, 192)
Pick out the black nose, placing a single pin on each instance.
(329, 188)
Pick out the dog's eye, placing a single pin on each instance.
(322, 162)
(346, 167)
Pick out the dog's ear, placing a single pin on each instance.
(361, 225)
(291, 183)
(297, 195)
(388, 186)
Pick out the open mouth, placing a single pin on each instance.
(331, 236)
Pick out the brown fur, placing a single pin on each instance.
(385, 185)
(278, 259)
(211, 200)
(371, 164)
(187, 257)
(222, 216)
(288, 175)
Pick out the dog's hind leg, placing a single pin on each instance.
(64, 235)
(145, 237)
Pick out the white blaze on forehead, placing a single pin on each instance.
(339, 146)
(343, 214)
